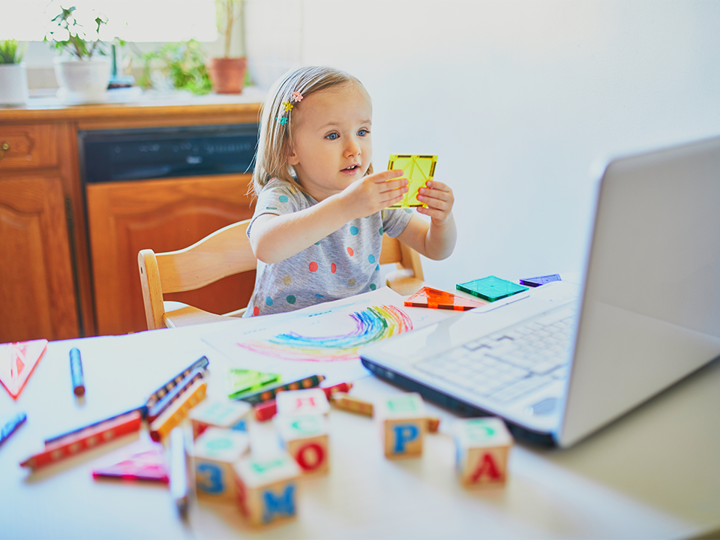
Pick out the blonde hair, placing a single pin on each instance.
(276, 139)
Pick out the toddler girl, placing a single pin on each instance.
(321, 212)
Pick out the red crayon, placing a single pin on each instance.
(85, 440)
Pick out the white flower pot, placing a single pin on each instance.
(82, 81)
(13, 84)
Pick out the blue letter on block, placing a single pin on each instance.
(210, 478)
(282, 505)
(404, 433)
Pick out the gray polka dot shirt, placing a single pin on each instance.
(342, 264)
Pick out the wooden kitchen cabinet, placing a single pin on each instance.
(37, 290)
(163, 215)
(69, 250)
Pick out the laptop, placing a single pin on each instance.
(563, 360)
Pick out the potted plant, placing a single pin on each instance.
(13, 75)
(177, 65)
(83, 68)
(228, 73)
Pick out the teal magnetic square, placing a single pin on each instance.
(491, 288)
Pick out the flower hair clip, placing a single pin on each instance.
(288, 106)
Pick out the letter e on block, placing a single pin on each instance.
(267, 488)
(482, 446)
(215, 452)
(402, 422)
(306, 440)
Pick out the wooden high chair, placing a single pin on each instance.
(227, 252)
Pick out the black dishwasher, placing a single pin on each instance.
(167, 152)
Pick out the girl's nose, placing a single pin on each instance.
(352, 148)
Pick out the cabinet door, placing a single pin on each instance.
(37, 290)
(28, 146)
(163, 215)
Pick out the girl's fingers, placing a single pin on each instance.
(386, 175)
(434, 184)
(391, 197)
(433, 202)
(433, 213)
(393, 185)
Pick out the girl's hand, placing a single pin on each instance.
(374, 193)
(439, 199)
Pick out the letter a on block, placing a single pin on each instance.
(487, 468)
(482, 446)
(279, 506)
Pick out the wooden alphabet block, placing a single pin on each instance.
(306, 440)
(220, 414)
(267, 488)
(215, 452)
(482, 446)
(294, 402)
(177, 411)
(403, 423)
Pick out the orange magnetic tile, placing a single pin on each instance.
(436, 299)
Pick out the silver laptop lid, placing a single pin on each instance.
(651, 305)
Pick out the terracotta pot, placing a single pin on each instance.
(227, 75)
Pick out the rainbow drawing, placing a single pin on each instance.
(371, 324)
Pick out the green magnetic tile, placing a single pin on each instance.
(491, 288)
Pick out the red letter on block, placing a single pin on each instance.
(487, 467)
(313, 463)
(300, 401)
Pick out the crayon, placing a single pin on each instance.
(76, 372)
(179, 470)
(352, 404)
(164, 389)
(177, 411)
(269, 393)
(10, 426)
(433, 424)
(164, 402)
(242, 381)
(85, 440)
(265, 411)
(56, 438)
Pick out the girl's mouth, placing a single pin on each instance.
(351, 168)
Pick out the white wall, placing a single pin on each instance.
(517, 98)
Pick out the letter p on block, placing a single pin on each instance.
(402, 422)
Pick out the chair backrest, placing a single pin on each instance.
(227, 252)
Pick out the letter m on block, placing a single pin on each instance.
(282, 505)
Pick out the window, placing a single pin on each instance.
(131, 20)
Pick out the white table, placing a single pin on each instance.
(653, 474)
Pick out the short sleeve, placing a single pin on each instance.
(278, 198)
(395, 220)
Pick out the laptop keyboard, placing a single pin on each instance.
(507, 365)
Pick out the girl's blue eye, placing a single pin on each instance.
(363, 132)
(332, 136)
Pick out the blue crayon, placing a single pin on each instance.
(10, 427)
(76, 372)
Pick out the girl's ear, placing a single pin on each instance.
(292, 158)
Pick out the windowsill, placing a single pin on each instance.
(47, 97)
